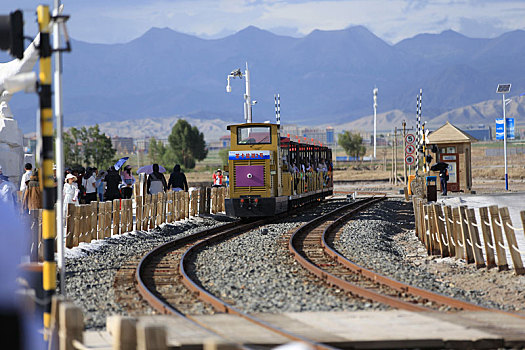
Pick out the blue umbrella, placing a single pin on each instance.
(120, 162)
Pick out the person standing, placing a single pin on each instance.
(127, 183)
(89, 184)
(178, 180)
(7, 190)
(113, 180)
(100, 184)
(32, 196)
(443, 176)
(156, 181)
(70, 192)
(25, 178)
(217, 178)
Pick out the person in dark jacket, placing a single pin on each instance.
(112, 180)
(178, 180)
(443, 175)
(156, 182)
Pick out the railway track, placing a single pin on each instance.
(311, 245)
(162, 274)
(163, 271)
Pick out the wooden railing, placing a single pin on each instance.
(455, 232)
(99, 220)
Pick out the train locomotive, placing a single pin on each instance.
(270, 174)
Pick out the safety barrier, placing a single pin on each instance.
(67, 331)
(455, 232)
(99, 220)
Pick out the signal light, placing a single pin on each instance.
(12, 34)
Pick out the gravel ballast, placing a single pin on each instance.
(91, 268)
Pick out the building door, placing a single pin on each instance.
(452, 159)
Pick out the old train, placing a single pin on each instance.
(270, 174)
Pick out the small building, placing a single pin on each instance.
(122, 144)
(454, 148)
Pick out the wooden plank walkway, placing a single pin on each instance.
(345, 330)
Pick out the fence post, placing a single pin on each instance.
(76, 225)
(71, 325)
(101, 220)
(108, 213)
(138, 213)
(207, 208)
(186, 205)
(511, 240)
(474, 238)
(433, 232)
(450, 231)
(213, 200)
(487, 237)
(222, 196)
(70, 224)
(202, 200)
(124, 332)
(498, 238)
(440, 230)
(176, 206)
(116, 217)
(427, 233)
(415, 207)
(151, 337)
(94, 219)
(467, 248)
(460, 246)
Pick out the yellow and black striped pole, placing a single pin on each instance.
(46, 158)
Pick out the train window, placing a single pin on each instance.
(254, 135)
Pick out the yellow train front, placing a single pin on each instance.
(270, 174)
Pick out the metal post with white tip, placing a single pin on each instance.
(247, 96)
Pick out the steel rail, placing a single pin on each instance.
(335, 280)
(225, 307)
(205, 237)
(394, 284)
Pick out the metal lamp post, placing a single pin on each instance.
(375, 120)
(247, 96)
(503, 89)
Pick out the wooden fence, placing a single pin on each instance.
(455, 232)
(100, 220)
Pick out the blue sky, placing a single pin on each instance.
(112, 21)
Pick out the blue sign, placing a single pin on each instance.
(510, 129)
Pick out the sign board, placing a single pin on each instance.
(409, 149)
(410, 138)
(410, 159)
(234, 155)
(510, 129)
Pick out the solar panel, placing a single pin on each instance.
(503, 88)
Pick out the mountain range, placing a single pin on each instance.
(324, 77)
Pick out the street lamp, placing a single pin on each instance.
(247, 97)
(375, 120)
(504, 89)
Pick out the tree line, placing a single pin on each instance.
(90, 147)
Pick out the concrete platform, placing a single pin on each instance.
(346, 330)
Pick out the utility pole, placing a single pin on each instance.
(46, 170)
(59, 147)
(404, 148)
(395, 156)
(375, 120)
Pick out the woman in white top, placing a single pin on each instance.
(90, 184)
(70, 192)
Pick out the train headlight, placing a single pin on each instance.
(249, 176)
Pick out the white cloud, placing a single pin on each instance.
(393, 20)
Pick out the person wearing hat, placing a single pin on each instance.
(127, 183)
(70, 192)
(217, 178)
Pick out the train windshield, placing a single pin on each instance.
(253, 135)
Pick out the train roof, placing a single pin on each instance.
(253, 125)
